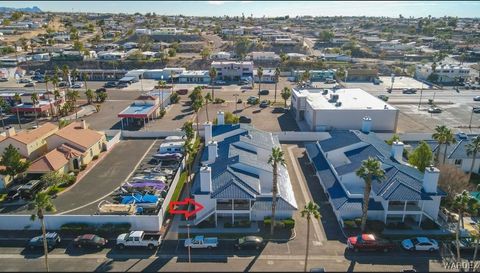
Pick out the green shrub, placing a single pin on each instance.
(267, 221)
(375, 226)
(289, 223)
(218, 100)
(349, 224)
(174, 98)
(358, 221)
(77, 228)
(53, 190)
(95, 157)
(83, 167)
(162, 112)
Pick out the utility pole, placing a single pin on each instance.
(236, 100)
(471, 116)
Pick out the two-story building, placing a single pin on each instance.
(233, 71)
(446, 73)
(235, 180)
(405, 194)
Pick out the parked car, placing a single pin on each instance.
(263, 92)
(13, 193)
(476, 109)
(244, 119)
(239, 101)
(110, 84)
(90, 241)
(462, 135)
(62, 84)
(30, 84)
(122, 85)
(263, 104)
(3, 80)
(101, 90)
(77, 85)
(24, 80)
(244, 82)
(409, 91)
(420, 244)
(383, 97)
(476, 98)
(249, 242)
(182, 91)
(467, 244)
(278, 110)
(252, 100)
(53, 239)
(138, 238)
(41, 80)
(369, 242)
(30, 189)
(434, 110)
(220, 82)
(201, 241)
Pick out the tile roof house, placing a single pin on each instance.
(405, 195)
(80, 139)
(29, 143)
(58, 160)
(235, 181)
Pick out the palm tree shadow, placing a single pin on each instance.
(250, 265)
(351, 266)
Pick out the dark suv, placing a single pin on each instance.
(250, 242)
(53, 239)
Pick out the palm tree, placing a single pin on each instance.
(89, 94)
(34, 99)
(462, 203)
(277, 76)
(472, 149)
(275, 159)
(187, 128)
(440, 137)
(18, 101)
(189, 150)
(197, 105)
(371, 169)
(161, 87)
(72, 97)
(208, 98)
(449, 139)
(213, 74)
(310, 209)
(476, 237)
(259, 74)
(56, 96)
(84, 77)
(41, 204)
(47, 80)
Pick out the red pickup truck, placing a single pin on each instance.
(369, 242)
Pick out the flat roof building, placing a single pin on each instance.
(325, 109)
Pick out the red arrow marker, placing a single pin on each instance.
(197, 207)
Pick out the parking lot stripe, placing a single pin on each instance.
(108, 194)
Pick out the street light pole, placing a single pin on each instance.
(236, 100)
(471, 116)
(421, 94)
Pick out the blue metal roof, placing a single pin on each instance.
(460, 150)
(230, 178)
(222, 129)
(356, 157)
(338, 139)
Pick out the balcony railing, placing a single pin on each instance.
(224, 206)
(242, 206)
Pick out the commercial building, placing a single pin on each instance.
(405, 195)
(362, 75)
(233, 71)
(324, 109)
(315, 75)
(264, 56)
(268, 75)
(235, 182)
(194, 76)
(445, 73)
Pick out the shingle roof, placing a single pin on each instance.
(338, 139)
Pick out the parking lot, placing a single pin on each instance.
(105, 177)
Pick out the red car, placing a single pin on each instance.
(369, 242)
(182, 91)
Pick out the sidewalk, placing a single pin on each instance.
(84, 111)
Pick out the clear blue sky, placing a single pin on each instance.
(267, 8)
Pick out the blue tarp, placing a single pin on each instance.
(138, 198)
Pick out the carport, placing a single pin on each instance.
(135, 113)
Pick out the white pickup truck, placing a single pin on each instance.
(138, 239)
(201, 242)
